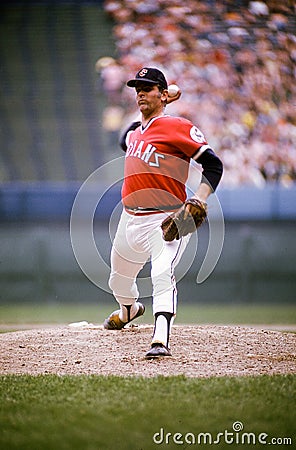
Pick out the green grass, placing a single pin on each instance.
(110, 413)
(23, 314)
(116, 413)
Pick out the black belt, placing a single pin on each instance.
(140, 209)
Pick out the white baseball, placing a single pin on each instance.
(173, 90)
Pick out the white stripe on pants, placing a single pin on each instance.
(138, 238)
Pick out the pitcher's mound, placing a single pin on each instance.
(198, 351)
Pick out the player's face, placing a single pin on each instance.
(149, 98)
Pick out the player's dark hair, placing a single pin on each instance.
(161, 89)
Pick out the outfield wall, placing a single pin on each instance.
(257, 264)
(48, 202)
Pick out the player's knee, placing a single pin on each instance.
(116, 284)
(111, 282)
(123, 286)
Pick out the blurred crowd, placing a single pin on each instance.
(235, 64)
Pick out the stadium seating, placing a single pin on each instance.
(235, 62)
(50, 105)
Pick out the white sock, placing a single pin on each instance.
(127, 312)
(162, 327)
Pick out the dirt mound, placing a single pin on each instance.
(198, 351)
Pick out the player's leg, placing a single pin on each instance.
(126, 262)
(164, 294)
(122, 281)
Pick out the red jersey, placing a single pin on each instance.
(157, 162)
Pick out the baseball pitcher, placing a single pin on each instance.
(157, 218)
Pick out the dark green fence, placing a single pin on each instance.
(257, 264)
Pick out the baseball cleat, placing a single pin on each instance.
(113, 322)
(157, 350)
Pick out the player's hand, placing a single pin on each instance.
(176, 97)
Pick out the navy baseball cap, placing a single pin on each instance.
(149, 75)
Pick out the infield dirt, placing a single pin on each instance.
(198, 351)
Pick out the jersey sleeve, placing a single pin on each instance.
(212, 168)
(189, 139)
(122, 141)
(194, 144)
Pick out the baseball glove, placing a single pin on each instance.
(186, 220)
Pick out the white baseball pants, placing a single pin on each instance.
(138, 238)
